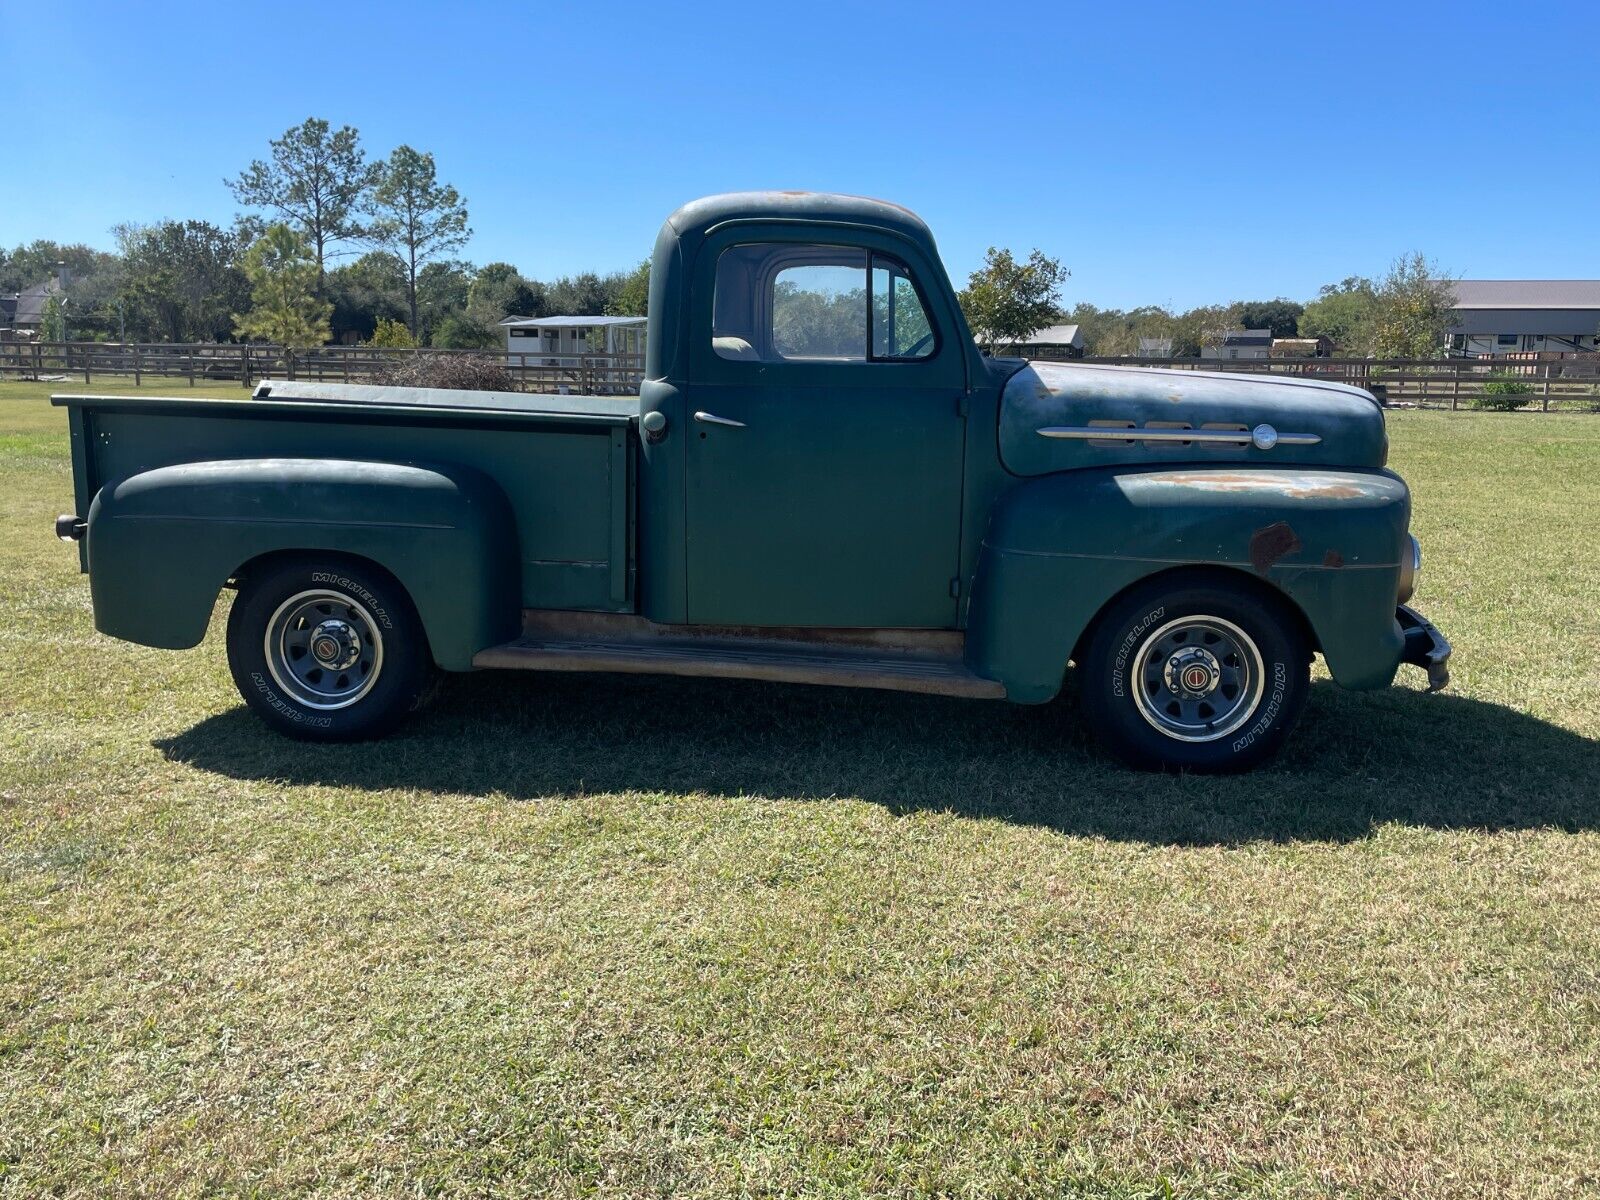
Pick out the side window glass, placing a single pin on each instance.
(782, 302)
(900, 325)
(820, 311)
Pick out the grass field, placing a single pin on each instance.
(618, 936)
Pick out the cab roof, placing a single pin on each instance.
(703, 215)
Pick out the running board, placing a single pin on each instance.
(929, 662)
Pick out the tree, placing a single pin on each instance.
(1005, 300)
(582, 295)
(497, 291)
(1343, 313)
(316, 181)
(283, 276)
(1415, 305)
(392, 335)
(364, 292)
(180, 280)
(633, 297)
(417, 216)
(1280, 316)
(442, 291)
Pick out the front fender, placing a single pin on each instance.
(162, 543)
(1060, 547)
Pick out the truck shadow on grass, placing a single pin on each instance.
(1357, 761)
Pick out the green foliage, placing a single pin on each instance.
(1280, 316)
(283, 275)
(1005, 300)
(391, 334)
(416, 216)
(633, 297)
(1344, 313)
(1503, 393)
(315, 179)
(366, 291)
(181, 281)
(457, 331)
(53, 321)
(1414, 307)
(442, 291)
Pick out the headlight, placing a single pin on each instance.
(1410, 565)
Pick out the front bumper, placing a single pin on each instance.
(1425, 646)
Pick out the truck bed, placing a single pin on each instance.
(564, 463)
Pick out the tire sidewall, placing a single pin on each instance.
(1108, 684)
(402, 679)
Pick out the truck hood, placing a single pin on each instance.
(1346, 422)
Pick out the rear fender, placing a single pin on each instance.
(162, 543)
(1059, 548)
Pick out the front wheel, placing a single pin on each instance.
(1198, 676)
(328, 650)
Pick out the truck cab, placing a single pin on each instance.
(822, 480)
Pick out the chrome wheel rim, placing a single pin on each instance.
(323, 649)
(1198, 678)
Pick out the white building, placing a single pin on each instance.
(562, 341)
(1237, 343)
(1504, 316)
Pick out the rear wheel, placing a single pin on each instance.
(1199, 675)
(328, 650)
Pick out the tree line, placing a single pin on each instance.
(329, 246)
(1403, 314)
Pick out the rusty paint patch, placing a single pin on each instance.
(1270, 543)
(1333, 559)
(1300, 487)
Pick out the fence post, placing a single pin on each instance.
(244, 363)
(85, 363)
(1455, 388)
(1544, 405)
(288, 363)
(138, 374)
(191, 366)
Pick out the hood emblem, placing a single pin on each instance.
(1265, 437)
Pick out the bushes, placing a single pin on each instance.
(1503, 393)
(467, 372)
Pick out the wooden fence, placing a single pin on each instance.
(581, 374)
(1571, 382)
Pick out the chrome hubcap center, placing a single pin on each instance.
(335, 644)
(1193, 672)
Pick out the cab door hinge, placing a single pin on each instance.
(961, 405)
(955, 588)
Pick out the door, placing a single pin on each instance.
(825, 442)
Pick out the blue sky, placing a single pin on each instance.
(1167, 153)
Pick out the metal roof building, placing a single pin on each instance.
(1499, 316)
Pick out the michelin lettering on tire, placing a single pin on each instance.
(284, 708)
(356, 590)
(1119, 671)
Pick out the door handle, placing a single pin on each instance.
(706, 418)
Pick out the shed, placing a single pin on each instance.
(561, 341)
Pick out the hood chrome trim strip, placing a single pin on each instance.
(1110, 433)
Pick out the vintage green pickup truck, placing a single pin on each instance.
(821, 481)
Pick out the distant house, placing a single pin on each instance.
(8, 311)
(28, 314)
(1238, 343)
(1053, 341)
(1154, 347)
(561, 341)
(1301, 347)
(1502, 316)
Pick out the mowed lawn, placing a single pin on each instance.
(618, 936)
